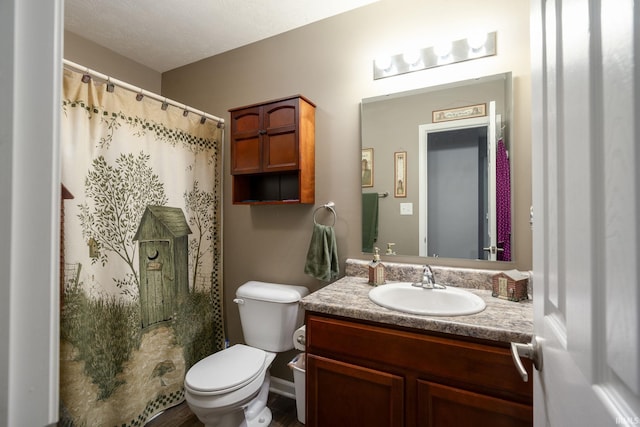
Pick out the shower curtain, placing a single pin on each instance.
(141, 252)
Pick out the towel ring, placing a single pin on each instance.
(328, 206)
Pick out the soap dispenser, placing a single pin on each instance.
(376, 269)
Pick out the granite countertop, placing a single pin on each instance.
(502, 320)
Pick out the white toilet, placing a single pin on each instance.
(230, 388)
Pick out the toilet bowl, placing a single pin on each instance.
(230, 388)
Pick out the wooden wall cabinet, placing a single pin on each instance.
(361, 374)
(273, 152)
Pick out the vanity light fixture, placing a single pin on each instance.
(476, 46)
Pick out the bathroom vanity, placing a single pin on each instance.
(370, 366)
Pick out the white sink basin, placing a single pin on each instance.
(431, 302)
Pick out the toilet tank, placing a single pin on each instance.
(270, 313)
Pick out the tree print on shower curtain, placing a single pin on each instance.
(202, 225)
(140, 177)
(120, 195)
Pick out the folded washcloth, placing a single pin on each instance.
(322, 257)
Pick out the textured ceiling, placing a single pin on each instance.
(166, 34)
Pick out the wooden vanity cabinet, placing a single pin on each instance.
(273, 152)
(365, 374)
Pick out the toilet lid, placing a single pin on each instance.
(226, 370)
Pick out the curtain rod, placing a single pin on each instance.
(144, 92)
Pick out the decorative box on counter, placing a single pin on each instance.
(511, 285)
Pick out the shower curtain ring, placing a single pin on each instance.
(110, 86)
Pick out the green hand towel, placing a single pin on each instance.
(322, 257)
(369, 221)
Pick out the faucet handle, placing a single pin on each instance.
(390, 250)
(428, 273)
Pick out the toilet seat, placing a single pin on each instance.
(226, 370)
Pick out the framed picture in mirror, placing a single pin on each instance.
(367, 167)
(478, 110)
(400, 168)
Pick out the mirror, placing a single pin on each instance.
(436, 171)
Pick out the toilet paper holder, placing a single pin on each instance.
(300, 338)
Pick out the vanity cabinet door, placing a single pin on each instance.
(444, 406)
(342, 394)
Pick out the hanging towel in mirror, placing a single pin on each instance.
(503, 202)
(322, 257)
(369, 221)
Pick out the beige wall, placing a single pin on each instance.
(330, 62)
(88, 54)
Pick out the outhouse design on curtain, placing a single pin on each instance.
(141, 297)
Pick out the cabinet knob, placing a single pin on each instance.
(262, 132)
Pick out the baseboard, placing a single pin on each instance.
(283, 387)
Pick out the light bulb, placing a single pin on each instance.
(383, 62)
(442, 49)
(411, 57)
(477, 40)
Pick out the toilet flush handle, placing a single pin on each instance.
(238, 300)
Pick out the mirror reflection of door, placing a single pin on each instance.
(458, 192)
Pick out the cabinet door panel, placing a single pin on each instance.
(281, 136)
(280, 114)
(247, 120)
(245, 141)
(442, 406)
(341, 394)
(281, 151)
(246, 155)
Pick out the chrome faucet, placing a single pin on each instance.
(428, 280)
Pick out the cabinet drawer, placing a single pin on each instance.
(483, 367)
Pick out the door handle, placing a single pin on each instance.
(493, 249)
(530, 351)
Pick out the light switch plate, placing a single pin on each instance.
(406, 208)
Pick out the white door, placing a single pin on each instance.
(586, 211)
